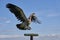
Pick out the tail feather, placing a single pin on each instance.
(22, 27)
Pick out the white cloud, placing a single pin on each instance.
(53, 15)
(10, 36)
(8, 21)
(49, 35)
(4, 20)
(22, 36)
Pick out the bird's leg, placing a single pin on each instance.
(29, 28)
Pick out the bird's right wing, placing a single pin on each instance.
(18, 12)
(35, 19)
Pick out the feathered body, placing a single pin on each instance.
(18, 12)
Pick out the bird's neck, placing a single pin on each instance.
(29, 19)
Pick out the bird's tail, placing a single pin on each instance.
(22, 27)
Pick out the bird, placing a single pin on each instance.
(20, 15)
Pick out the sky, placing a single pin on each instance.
(47, 11)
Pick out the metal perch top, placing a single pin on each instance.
(31, 34)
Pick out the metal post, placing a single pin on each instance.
(31, 35)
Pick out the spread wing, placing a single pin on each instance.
(18, 12)
(35, 19)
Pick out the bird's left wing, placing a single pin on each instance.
(18, 12)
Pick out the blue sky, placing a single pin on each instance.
(48, 12)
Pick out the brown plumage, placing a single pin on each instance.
(18, 12)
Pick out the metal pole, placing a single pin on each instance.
(31, 37)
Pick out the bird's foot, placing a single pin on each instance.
(28, 28)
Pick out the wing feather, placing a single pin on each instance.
(35, 19)
(18, 12)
